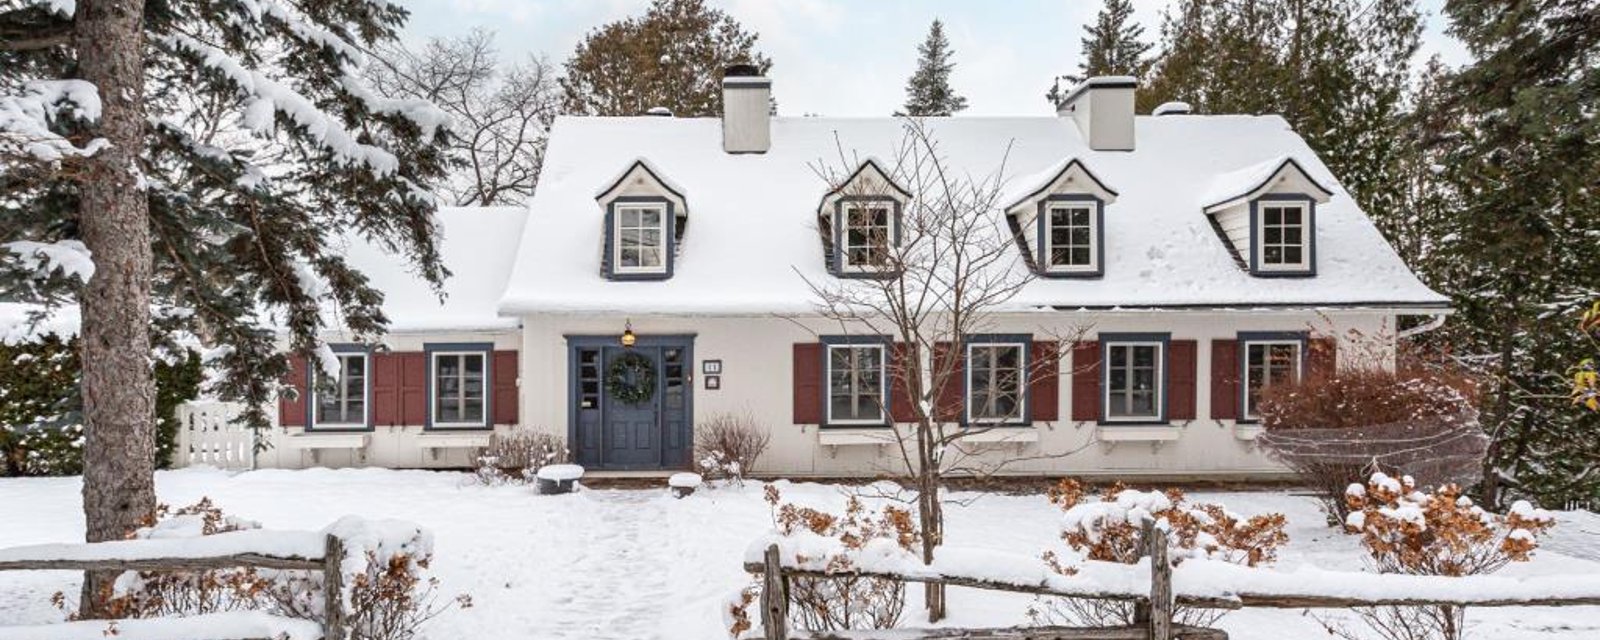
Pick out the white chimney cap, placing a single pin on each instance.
(1174, 108)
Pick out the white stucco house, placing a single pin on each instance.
(1208, 255)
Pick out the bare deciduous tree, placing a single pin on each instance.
(940, 274)
(500, 116)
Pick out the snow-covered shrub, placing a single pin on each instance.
(1442, 533)
(388, 592)
(515, 456)
(727, 446)
(1108, 529)
(1335, 430)
(834, 543)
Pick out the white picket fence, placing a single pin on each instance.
(208, 436)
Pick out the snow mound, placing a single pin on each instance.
(684, 480)
(560, 472)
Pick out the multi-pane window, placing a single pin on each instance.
(458, 389)
(867, 232)
(1070, 234)
(342, 401)
(856, 384)
(995, 382)
(1133, 380)
(641, 238)
(1267, 364)
(1283, 235)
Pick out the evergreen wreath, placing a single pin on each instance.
(631, 378)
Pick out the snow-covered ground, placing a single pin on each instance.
(640, 564)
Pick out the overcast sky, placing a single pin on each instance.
(852, 57)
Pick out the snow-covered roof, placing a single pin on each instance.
(755, 240)
(1247, 182)
(477, 245)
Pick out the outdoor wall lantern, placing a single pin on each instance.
(627, 335)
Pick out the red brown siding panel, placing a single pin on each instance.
(1224, 379)
(902, 406)
(1044, 382)
(505, 387)
(385, 389)
(1323, 359)
(808, 383)
(1086, 381)
(292, 412)
(1181, 380)
(413, 388)
(953, 365)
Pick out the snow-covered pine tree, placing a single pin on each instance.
(928, 91)
(1522, 161)
(673, 56)
(207, 155)
(1113, 46)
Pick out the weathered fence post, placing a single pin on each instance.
(333, 590)
(774, 597)
(1160, 584)
(1141, 608)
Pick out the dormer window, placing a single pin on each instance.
(644, 221)
(1267, 214)
(641, 235)
(860, 223)
(1282, 230)
(1072, 236)
(868, 228)
(1058, 217)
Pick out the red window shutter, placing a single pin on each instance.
(385, 389)
(413, 388)
(1086, 381)
(950, 401)
(1224, 379)
(902, 402)
(292, 412)
(808, 383)
(505, 387)
(1044, 381)
(1181, 380)
(1323, 359)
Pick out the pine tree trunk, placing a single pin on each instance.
(118, 394)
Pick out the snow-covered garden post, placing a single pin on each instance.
(951, 266)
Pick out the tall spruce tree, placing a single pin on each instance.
(1521, 162)
(928, 91)
(205, 156)
(1113, 46)
(673, 56)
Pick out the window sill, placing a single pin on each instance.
(458, 427)
(856, 436)
(1137, 433)
(324, 440)
(1002, 434)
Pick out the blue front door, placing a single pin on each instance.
(649, 432)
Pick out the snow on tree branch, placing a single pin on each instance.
(67, 257)
(29, 121)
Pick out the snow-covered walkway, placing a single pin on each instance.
(640, 565)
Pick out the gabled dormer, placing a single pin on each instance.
(645, 216)
(1267, 214)
(860, 221)
(1058, 217)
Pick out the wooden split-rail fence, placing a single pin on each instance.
(1153, 611)
(136, 555)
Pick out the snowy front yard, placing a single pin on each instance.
(640, 564)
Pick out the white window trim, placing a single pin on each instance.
(1160, 378)
(1305, 235)
(366, 393)
(1094, 237)
(616, 237)
(893, 231)
(883, 385)
(1300, 370)
(1022, 384)
(433, 384)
